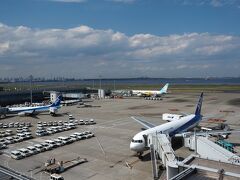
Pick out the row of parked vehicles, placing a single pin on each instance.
(9, 132)
(6, 133)
(61, 123)
(23, 130)
(19, 137)
(15, 124)
(42, 131)
(50, 144)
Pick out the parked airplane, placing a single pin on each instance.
(28, 111)
(139, 141)
(177, 127)
(148, 93)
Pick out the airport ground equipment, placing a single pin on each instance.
(153, 98)
(58, 167)
(227, 145)
(56, 177)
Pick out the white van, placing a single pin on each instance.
(65, 140)
(16, 155)
(33, 149)
(56, 177)
(51, 143)
(25, 152)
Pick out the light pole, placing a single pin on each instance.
(100, 82)
(114, 85)
(31, 78)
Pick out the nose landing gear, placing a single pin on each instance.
(139, 154)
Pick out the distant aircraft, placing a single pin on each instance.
(172, 128)
(147, 93)
(28, 111)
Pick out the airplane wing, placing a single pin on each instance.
(213, 132)
(146, 124)
(26, 113)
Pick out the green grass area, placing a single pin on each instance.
(77, 85)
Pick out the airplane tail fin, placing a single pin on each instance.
(57, 102)
(164, 89)
(199, 105)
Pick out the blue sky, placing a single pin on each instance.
(120, 38)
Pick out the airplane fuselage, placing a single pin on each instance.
(145, 92)
(37, 109)
(23, 111)
(138, 143)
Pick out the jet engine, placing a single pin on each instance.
(53, 111)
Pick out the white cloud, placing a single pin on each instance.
(87, 52)
(214, 3)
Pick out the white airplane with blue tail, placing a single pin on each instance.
(173, 128)
(177, 127)
(147, 93)
(28, 111)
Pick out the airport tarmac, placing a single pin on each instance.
(108, 152)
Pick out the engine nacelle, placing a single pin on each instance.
(21, 114)
(171, 117)
(53, 110)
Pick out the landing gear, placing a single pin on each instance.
(139, 154)
(52, 114)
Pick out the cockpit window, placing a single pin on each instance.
(137, 141)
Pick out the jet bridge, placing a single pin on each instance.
(207, 151)
(160, 148)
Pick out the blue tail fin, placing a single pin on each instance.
(57, 102)
(199, 105)
(164, 89)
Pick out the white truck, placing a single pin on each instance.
(56, 177)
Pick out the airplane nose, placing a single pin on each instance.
(132, 146)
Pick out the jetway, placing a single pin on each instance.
(161, 148)
(206, 152)
(207, 149)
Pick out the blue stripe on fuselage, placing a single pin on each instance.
(186, 126)
(36, 109)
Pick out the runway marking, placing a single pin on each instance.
(101, 147)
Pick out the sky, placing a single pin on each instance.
(119, 38)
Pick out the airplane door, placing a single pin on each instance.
(145, 137)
